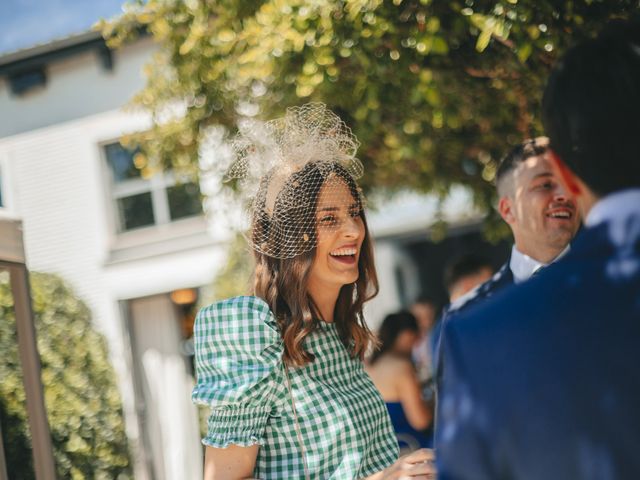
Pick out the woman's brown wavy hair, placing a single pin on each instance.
(282, 283)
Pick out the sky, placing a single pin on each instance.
(25, 23)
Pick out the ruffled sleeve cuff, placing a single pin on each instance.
(239, 425)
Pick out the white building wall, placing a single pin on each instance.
(60, 191)
(391, 261)
(51, 151)
(76, 88)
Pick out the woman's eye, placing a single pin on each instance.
(327, 219)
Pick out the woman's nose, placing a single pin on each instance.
(351, 227)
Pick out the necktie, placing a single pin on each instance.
(537, 270)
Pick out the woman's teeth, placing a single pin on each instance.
(343, 252)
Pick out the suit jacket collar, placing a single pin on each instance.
(502, 278)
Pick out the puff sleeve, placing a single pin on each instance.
(238, 357)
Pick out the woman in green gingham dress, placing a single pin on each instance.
(282, 370)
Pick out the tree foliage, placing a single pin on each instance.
(81, 396)
(436, 91)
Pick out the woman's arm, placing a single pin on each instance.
(231, 463)
(417, 411)
(419, 465)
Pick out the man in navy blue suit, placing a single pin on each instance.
(542, 381)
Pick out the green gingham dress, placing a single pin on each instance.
(344, 423)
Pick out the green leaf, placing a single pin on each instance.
(501, 29)
(483, 39)
(524, 51)
(433, 25)
(439, 46)
(479, 21)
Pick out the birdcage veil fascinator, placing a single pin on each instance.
(284, 166)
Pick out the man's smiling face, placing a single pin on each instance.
(540, 212)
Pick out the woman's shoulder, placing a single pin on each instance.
(242, 303)
(237, 347)
(242, 319)
(238, 310)
(394, 364)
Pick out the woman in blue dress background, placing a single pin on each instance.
(394, 375)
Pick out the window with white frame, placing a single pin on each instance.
(141, 201)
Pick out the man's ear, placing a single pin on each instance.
(567, 177)
(505, 208)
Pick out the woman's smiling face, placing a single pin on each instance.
(340, 233)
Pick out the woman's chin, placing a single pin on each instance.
(350, 280)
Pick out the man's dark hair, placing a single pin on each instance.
(517, 155)
(463, 266)
(590, 108)
(426, 299)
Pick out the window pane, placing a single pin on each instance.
(135, 211)
(121, 163)
(184, 200)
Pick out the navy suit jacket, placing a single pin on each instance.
(542, 381)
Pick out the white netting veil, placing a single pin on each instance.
(292, 171)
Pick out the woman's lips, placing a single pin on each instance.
(344, 259)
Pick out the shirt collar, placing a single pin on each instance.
(523, 266)
(613, 206)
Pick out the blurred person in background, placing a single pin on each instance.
(465, 273)
(394, 375)
(425, 311)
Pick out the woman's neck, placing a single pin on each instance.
(325, 300)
